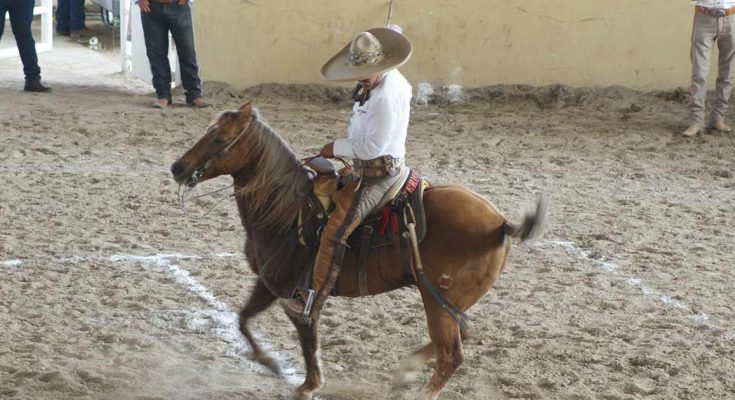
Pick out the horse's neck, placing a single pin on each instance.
(271, 253)
(250, 214)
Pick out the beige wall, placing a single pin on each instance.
(636, 43)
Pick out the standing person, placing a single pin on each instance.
(159, 17)
(376, 142)
(714, 22)
(21, 18)
(70, 18)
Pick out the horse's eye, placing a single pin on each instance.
(219, 141)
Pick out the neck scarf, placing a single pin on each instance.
(361, 94)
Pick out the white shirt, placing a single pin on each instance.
(714, 3)
(379, 127)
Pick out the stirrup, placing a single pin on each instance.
(309, 303)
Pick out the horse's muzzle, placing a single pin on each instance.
(185, 176)
(178, 170)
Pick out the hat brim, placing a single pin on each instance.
(396, 47)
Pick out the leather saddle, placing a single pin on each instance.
(385, 226)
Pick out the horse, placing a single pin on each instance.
(467, 238)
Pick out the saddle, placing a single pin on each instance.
(385, 226)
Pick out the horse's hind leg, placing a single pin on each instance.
(417, 360)
(412, 363)
(447, 341)
(259, 300)
(309, 339)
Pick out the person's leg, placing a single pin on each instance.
(21, 18)
(155, 32)
(76, 15)
(703, 39)
(182, 31)
(726, 68)
(3, 10)
(62, 17)
(342, 221)
(352, 204)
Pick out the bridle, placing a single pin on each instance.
(200, 169)
(196, 176)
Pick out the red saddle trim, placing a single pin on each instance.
(390, 214)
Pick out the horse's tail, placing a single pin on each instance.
(534, 219)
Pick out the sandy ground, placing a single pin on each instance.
(109, 291)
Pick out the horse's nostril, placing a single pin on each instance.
(177, 168)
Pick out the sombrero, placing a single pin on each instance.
(372, 52)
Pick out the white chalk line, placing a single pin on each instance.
(612, 268)
(226, 321)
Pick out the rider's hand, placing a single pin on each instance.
(182, 2)
(327, 151)
(145, 6)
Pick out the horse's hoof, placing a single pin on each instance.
(305, 391)
(402, 379)
(303, 396)
(427, 395)
(270, 363)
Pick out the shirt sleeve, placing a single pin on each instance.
(374, 141)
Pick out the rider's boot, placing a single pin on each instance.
(342, 222)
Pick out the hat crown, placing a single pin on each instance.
(365, 50)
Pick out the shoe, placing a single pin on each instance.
(161, 103)
(692, 130)
(63, 33)
(78, 33)
(198, 103)
(36, 86)
(720, 125)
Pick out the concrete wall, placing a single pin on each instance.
(635, 43)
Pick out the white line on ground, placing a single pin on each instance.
(610, 267)
(226, 321)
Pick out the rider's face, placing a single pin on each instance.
(370, 81)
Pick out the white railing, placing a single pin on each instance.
(45, 10)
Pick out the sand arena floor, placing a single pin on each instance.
(109, 291)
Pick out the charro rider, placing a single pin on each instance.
(376, 142)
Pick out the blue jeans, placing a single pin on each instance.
(156, 25)
(69, 15)
(21, 17)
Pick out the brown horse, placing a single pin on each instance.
(467, 240)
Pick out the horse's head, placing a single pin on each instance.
(217, 152)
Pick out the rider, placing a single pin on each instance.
(376, 142)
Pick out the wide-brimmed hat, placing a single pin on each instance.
(372, 52)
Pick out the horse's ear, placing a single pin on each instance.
(247, 107)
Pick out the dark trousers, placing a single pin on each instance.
(156, 25)
(21, 17)
(69, 15)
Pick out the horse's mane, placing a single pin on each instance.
(273, 191)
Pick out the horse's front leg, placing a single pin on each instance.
(309, 339)
(260, 299)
